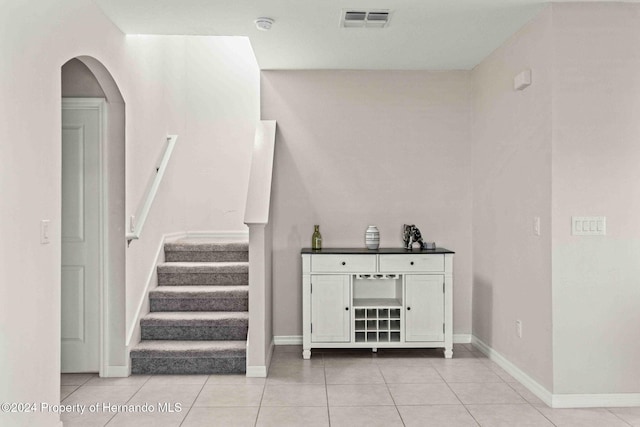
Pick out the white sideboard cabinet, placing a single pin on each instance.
(384, 298)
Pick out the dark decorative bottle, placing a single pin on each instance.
(316, 238)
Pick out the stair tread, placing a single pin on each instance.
(206, 245)
(157, 348)
(200, 291)
(204, 267)
(194, 318)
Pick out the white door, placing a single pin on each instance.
(330, 302)
(81, 142)
(424, 311)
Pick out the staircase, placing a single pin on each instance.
(199, 312)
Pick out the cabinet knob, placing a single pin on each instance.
(346, 308)
(408, 308)
(344, 263)
(411, 263)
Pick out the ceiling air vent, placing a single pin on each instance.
(364, 18)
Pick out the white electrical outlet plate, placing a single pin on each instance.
(588, 225)
(519, 328)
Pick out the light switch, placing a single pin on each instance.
(44, 231)
(588, 225)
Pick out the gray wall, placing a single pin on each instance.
(368, 147)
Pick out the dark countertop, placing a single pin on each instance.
(326, 251)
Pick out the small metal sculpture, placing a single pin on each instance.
(411, 234)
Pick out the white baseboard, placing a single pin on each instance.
(297, 339)
(257, 371)
(615, 400)
(461, 338)
(558, 400)
(288, 340)
(116, 371)
(532, 385)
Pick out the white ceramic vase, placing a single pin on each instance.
(372, 237)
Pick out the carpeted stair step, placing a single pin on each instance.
(202, 250)
(203, 273)
(199, 298)
(189, 357)
(203, 325)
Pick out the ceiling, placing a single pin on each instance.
(421, 34)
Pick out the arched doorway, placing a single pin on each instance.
(93, 212)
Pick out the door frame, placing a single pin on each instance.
(99, 105)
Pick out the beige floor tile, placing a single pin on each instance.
(364, 416)
(630, 415)
(358, 395)
(170, 394)
(235, 380)
(584, 417)
(66, 390)
(296, 361)
(295, 375)
(485, 393)
(458, 363)
(86, 419)
(133, 380)
(156, 419)
(354, 374)
(229, 395)
(178, 379)
(93, 394)
(403, 362)
(410, 375)
(468, 374)
(523, 415)
(337, 361)
(221, 417)
(289, 416)
(436, 416)
(506, 377)
(75, 379)
(295, 395)
(422, 394)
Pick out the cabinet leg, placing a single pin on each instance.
(306, 354)
(374, 349)
(448, 352)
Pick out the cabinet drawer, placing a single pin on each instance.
(411, 263)
(343, 263)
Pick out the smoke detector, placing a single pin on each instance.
(264, 24)
(361, 18)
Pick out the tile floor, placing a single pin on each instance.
(335, 388)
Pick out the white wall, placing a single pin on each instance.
(596, 158)
(512, 185)
(217, 78)
(356, 148)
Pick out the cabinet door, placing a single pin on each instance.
(330, 303)
(424, 307)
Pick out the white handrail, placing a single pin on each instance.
(137, 222)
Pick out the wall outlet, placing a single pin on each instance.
(519, 328)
